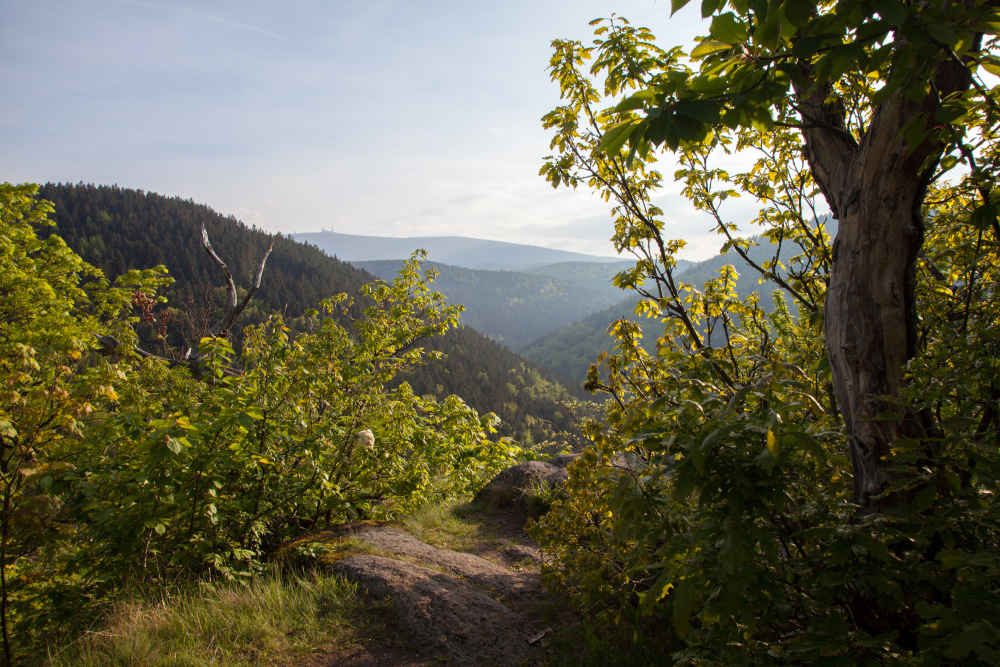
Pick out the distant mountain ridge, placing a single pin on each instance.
(515, 307)
(466, 252)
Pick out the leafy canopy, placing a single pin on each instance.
(713, 510)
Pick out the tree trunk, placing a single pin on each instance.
(875, 188)
(870, 311)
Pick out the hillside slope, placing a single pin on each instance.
(512, 307)
(117, 229)
(593, 273)
(572, 349)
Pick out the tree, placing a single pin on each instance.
(882, 103)
(52, 307)
(738, 515)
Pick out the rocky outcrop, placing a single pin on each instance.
(512, 485)
(450, 605)
(442, 615)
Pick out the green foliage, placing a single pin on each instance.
(143, 229)
(715, 499)
(53, 306)
(208, 476)
(121, 465)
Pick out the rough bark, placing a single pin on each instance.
(875, 188)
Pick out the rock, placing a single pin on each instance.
(442, 615)
(510, 486)
(563, 460)
(496, 580)
(514, 553)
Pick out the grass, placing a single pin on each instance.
(284, 616)
(276, 619)
(450, 526)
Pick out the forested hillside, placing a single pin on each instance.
(512, 307)
(571, 349)
(118, 229)
(538, 403)
(593, 273)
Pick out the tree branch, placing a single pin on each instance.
(222, 327)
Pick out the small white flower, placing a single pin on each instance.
(366, 439)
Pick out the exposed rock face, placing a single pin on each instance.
(443, 615)
(563, 460)
(509, 487)
(498, 581)
(451, 604)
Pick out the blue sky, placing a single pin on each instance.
(379, 117)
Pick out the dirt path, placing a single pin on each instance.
(468, 594)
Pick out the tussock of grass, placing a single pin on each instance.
(271, 620)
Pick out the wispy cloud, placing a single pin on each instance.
(212, 17)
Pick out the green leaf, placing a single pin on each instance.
(989, 24)
(726, 28)
(615, 138)
(687, 128)
(736, 401)
(950, 113)
(971, 638)
(677, 5)
(708, 47)
(991, 64)
(768, 33)
(637, 101)
(655, 407)
(659, 590)
(174, 445)
(709, 7)
(984, 216)
(892, 11)
(809, 443)
(705, 111)
(684, 597)
(943, 34)
(799, 12)
(160, 529)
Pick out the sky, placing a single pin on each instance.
(373, 117)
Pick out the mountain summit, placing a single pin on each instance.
(460, 251)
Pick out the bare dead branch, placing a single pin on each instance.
(109, 344)
(223, 326)
(230, 285)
